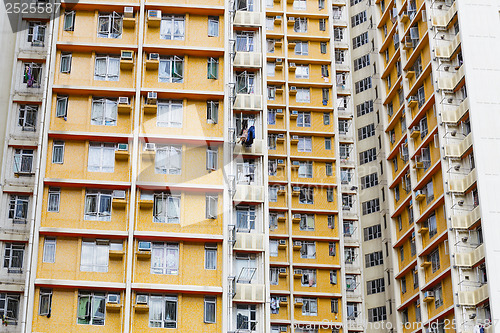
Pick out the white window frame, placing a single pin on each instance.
(169, 113)
(165, 258)
(110, 70)
(110, 25)
(171, 69)
(303, 95)
(101, 157)
(166, 208)
(49, 250)
(213, 26)
(305, 169)
(305, 144)
(54, 200)
(173, 27)
(94, 256)
(108, 115)
(157, 311)
(170, 162)
(102, 211)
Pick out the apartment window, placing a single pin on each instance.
(107, 68)
(58, 152)
(245, 41)
(270, 45)
(172, 27)
(352, 311)
(370, 206)
(415, 279)
(374, 259)
(366, 131)
(210, 304)
(18, 208)
(304, 119)
(301, 48)
(322, 47)
(329, 194)
(367, 156)
(49, 250)
(345, 176)
(271, 93)
(69, 21)
(66, 63)
(245, 218)
(171, 69)
(345, 151)
(166, 208)
(322, 22)
(274, 276)
(302, 72)
(375, 286)
(433, 258)
(168, 160)
(110, 25)
(246, 317)
(308, 278)
(9, 308)
(271, 116)
(95, 256)
(361, 62)
(305, 144)
(339, 56)
(45, 302)
(432, 225)
(213, 26)
(358, 18)
(306, 195)
(299, 4)
(54, 199)
(372, 232)
(364, 108)
(271, 68)
(438, 296)
(369, 181)
(211, 158)
(360, 40)
(272, 167)
(305, 169)
(211, 206)
(309, 306)
(303, 95)
(212, 68)
(101, 157)
(402, 253)
(307, 222)
(163, 311)
(363, 84)
(104, 112)
(271, 141)
(13, 257)
(165, 258)
(377, 314)
(326, 118)
(210, 256)
(273, 194)
(169, 113)
(300, 25)
(338, 34)
(270, 23)
(32, 75)
(27, 117)
(98, 205)
(328, 169)
(212, 112)
(62, 106)
(23, 161)
(273, 221)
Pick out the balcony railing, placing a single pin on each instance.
(471, 258)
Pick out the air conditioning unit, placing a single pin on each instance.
(292, 64)
(297, 243)
(283, 299)
(113, 298)
(297, 271)
(119, 194)
(281, 161)
(123, 100)
(429, 294)
(419, 192)
(154, 56)
(296, 188)
(295, 137)
(295, 163)
(282, 187)
(415, 128)
(295, 112)
(291, 19)
(141, 299)
(296, 216)
(152, 97)
(279, 60)
(127, 55)
(150, 146)
(144, 246)
(282, 242)
(128, 12)
(154, 14)
(298, 300)
(412, 98)
(123, 146)
(279, 110)
(278, 17)
(281, 135)
(283, 328)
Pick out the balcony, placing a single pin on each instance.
(257, 148)
(249, 193)
(248, 60)
(249, 242)
(442, 21)
(453, 116)
(473, 298)
(247, 19)
(456, 151)
(249, 292)
(248, 102)
(446, 51)
(451, 82)
(470, 259)
(462, 185)
(467, 220)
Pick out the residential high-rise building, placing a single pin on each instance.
(250, 166)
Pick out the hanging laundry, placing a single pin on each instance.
(250, 136)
